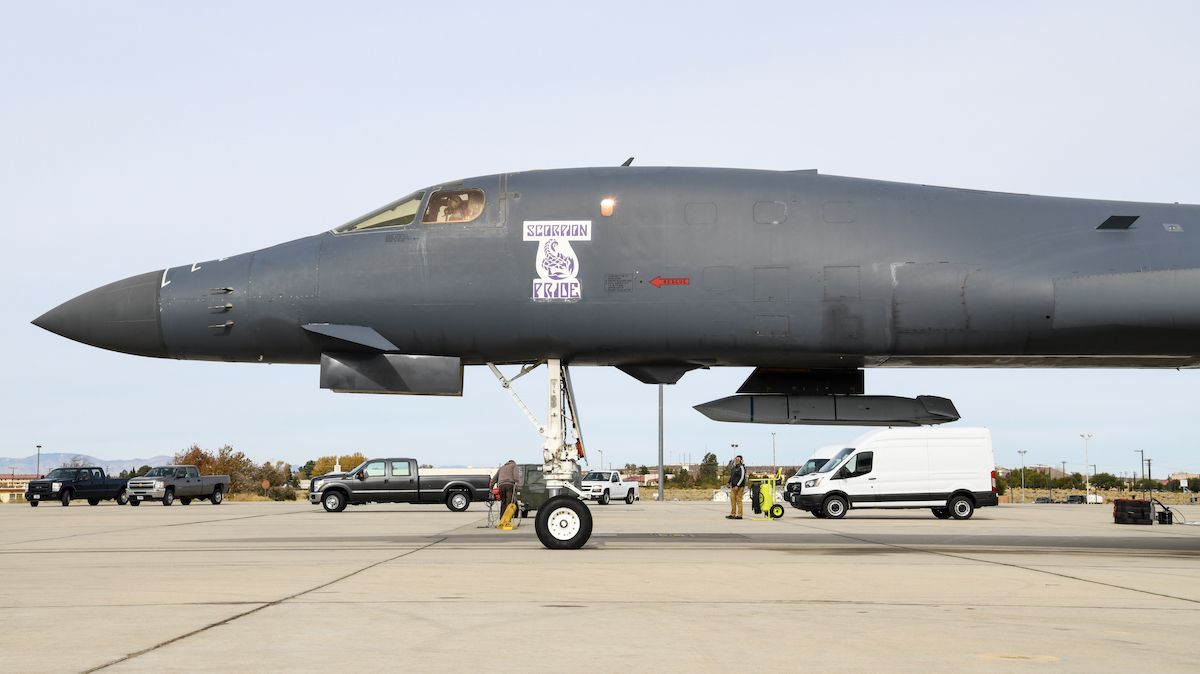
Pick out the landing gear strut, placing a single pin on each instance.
(563, 522)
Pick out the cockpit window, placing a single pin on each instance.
(395, 214)
(453, 206)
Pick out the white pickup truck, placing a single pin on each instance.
(602, 486)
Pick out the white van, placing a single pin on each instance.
(950, 470)
(819, 458)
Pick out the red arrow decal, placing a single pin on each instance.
(659, 281)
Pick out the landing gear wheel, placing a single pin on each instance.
(604, 499)
(458, 501)
(218, 496)
(961, 507)
(122, 497)
(168, 497)
(65, 498)
(629, 497)
(334, 501)
(776, 511)
(563, 523)
(834, 507)
(941, 513)
(93, 501)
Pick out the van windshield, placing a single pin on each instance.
(811, 466)
(837, 459)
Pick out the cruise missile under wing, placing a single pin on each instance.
(659, 271)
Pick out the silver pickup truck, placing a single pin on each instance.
(167, 483)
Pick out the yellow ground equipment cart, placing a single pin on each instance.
(762, 496)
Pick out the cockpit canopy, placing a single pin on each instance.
(443, 206)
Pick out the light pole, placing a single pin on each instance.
(1087, 484)
(1141, 466)
(1022, 453)
(1065, 481)
(661, 472)
(773, 468)
(601, 458)
(39, 461)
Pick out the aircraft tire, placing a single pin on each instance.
(835, 507)
(563, 523)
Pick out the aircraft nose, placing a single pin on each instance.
(121, 316)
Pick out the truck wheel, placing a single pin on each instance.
(334, 501)
(33, 504)
(776, 511)
(604, 499)
(629, 497)
(563, 523)
(65, 498)
(168, 497)
(135, 501)
(961, 507)
(218, 495)
(834, 507)
(458, 501)
(93, 501)
(185, 501)
(122, 497)
(941, 513)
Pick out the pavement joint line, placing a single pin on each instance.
(154, 526)
(243, 614)
(1008, 564)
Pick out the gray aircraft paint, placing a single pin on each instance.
(761, 268)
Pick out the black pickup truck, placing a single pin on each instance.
(88, 483)
(396, 481)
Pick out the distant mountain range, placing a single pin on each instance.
(28, 464)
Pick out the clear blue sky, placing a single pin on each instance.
(139, 135)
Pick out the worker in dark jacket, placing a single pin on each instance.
(506, 479)
(737, 485)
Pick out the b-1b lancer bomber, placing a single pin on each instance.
(658, 271)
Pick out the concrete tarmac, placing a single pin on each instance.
(661, 587)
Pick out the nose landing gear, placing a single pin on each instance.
(564, 521)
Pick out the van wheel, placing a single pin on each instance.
(604, 498)
(458, 501)
(941, 513)
(834, 507)
(629, 497)
(333, 501)
(961, 507)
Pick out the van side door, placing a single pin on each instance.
(857, 479)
